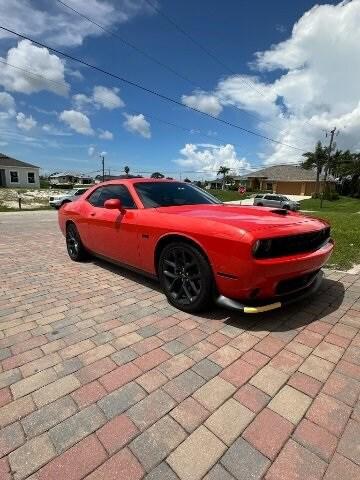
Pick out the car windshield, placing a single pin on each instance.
(170, 194)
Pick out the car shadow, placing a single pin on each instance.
(134, 276)
(324, 302)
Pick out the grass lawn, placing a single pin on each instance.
(228, 195)
(345, 226)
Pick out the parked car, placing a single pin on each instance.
(276, 201)
(244, 257)
(67, 197)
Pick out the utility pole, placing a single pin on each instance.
(103, 167)
(332, 133)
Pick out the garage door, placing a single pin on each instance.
(288, 188)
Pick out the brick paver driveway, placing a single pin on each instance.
(101, 379)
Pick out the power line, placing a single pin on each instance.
(148, 90)
(206, 50)
(200, 45)
(147, 114)
(166, 122)
(129, 44)
(150, 57)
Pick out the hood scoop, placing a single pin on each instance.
(280, 211)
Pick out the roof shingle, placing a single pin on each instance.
(283, 173)
(6, 161)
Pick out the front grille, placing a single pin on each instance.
(294, 284)
(290, 245)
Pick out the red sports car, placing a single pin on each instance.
(252, 258)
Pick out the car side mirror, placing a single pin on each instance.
(114, 204)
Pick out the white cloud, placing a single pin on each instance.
(77, 121)
(137, 124)
(7, 105)
(61, 26)
(204, 102)
(50, 129)
(209, 158)
(91, 150)
(24, 122)
(81, 101)
(105, 135)
(102, 97)
(29, 57)
(316, 84)
(107, 97)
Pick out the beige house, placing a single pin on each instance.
(283, 179)
(17, 174)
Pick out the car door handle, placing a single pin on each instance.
(92, 214)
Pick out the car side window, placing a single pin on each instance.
(101, 194)
(269, 197)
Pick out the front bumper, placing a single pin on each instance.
(278, 302)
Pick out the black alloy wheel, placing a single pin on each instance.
(186, 277)
(74, 245)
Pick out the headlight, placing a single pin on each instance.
(261, 248)
(256, 246)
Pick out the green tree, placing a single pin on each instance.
(223, 171)
(157, 175)
(187, 180)
(317, 160)
(126, 170)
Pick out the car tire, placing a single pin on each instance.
(186, 277)
(74, 245)
(286, 207)
(259, 204)
(64, 203)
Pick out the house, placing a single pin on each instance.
(70, 178)
(283, 179)
(214, 184)
(17, 174)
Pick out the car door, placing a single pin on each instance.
(112, 233)
(269, 201)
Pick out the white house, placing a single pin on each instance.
(70, 178)
(17, 174)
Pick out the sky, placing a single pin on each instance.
(288, 71)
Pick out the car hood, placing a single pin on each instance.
(249, 218)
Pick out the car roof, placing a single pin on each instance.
(137, 180)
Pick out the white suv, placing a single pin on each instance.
(67, 197)
(277, 201)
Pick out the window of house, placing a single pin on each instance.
(14, 177)
(269, 186)
(31, 177)
(101, 194)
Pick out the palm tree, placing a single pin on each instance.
(126, 170)
(316, 159)
(223, 171)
